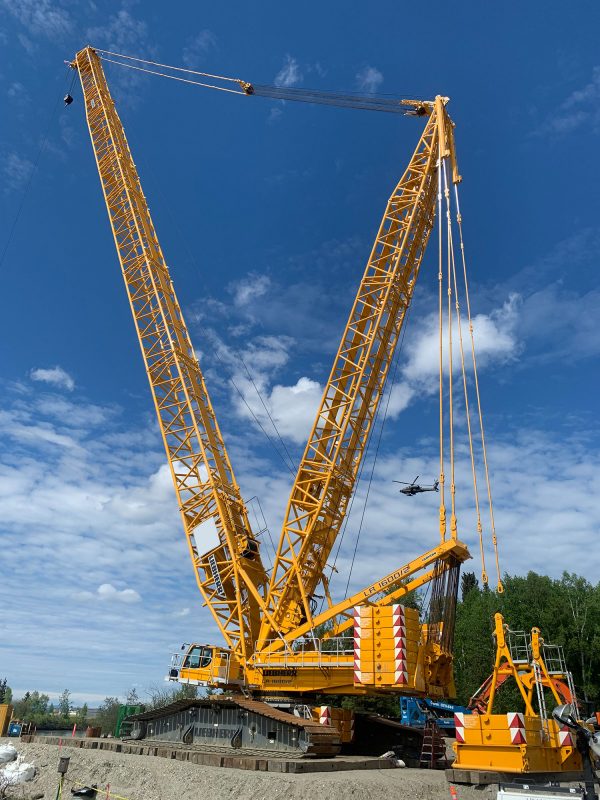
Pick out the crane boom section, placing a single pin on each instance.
(328, 471)
(199, 464)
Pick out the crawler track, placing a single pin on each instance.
(236, 723)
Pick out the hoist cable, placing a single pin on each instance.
(166, 66)
(499, 586)
(268, 413)
(441, 349)
(453, 531)
(484, 576)
(364, 460)
(365, 102)
(288, 464)
(383, 421)
(342, 100)
(174, 77)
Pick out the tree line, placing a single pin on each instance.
(566, 609)
(36, 707)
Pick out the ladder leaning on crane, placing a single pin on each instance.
(372, 645)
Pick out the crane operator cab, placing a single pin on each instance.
(204, 665)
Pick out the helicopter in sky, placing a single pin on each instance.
(411, 489)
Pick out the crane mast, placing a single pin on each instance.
(328, 471)
(231, 576)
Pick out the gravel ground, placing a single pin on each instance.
(151, 778)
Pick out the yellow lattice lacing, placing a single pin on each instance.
(484, 576)
(499, 587)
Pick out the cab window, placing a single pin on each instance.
(198, 657)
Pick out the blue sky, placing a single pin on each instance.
(266, 213)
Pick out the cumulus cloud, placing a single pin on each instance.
(107, 592)
(495, 340)
(198, 47)
(294, 408)
(289, 74)
(99, 516)
(369, 79)
(56, 376)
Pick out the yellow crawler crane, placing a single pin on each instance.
(273, 658)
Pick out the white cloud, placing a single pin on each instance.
(289, 74)
(56, 376)
(581, 107)
(40, 17)
(249, 289)
(495, 340)
(198, 47)
(400, 396)
(17, 171)
(294, 408)
(369, 79)
(275, 114)
(121, 32)
(97, 518)
(107, 592)
(18, 95)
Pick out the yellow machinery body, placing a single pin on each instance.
(514, 742)
(6, 712)
(517, 742)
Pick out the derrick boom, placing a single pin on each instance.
(230, 576)
(328, 471)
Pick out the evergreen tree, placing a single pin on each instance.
(64, 704)
(468, 582)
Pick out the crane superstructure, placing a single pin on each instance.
(372, 643)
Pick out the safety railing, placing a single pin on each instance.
(309, 652)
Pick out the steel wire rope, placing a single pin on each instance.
(32, 173)
(453, 529)
(484, 576)
(167, 66)
(499, 586)
(266, 408)
(385, 413)
(204, 332)
(366, 102)
(442, 510)
(174, 77)
(332, 567)
(258, 527)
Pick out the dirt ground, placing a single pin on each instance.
(151, 778)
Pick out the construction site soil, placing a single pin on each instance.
(136, 777)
